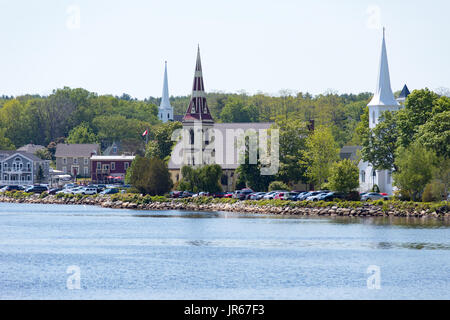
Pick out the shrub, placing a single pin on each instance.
(434, 191)
(278, 185)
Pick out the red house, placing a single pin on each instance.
(108, 169)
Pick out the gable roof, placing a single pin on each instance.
(349, 152)
(77, 150)
(31, 148)
(5, 154)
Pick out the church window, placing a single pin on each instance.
(191, 136)
(373, 117)
(363, 176)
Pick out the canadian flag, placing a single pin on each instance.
(145, 133)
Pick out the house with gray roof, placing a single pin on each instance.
(74, 159)
(22, 168)
(31, 148)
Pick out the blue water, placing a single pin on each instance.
(125, 254)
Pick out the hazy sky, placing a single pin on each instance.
(120, 46)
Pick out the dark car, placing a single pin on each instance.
(176, 194)
(12, 188)
(330, 196)
(218, 194)
(244, 194)
(186, 194)
(110, 191)
(54, 190)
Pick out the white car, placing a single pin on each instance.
(86, 190)
(70, 191)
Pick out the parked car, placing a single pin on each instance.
(12, 188)
(228, 195)
(330, 196)
(271, 195)
(314, 196)
(244, 193)
(175, 194)
(86, 191)
(54, 190)
(218, 194)
(36, 189)
(186, 194)
(110, 191)
(373, 196)
(256, 195)
(282, 195)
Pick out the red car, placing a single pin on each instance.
(228, 195)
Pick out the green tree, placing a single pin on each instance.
(435, 134)
(380, 144)
(149, 176)
(292, 144)
(205, 178)
(344, 176)
(415, 169)
(278, 185)
(81, 134)
(44, 154)
(321, 152)
(5, 143)
(236, 110)
(40, 174)
(161, 146)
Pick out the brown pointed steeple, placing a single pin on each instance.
(198, 107)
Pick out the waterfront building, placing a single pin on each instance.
(22, 168)
(109, 169)
(74, 159)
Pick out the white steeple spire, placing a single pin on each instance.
(165, 109)
(383, 93)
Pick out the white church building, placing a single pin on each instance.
(383, 100)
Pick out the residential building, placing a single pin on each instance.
(22, 168)
(31, 148)
(74, 159)
(106, 169)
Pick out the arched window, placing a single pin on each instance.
(373, 117)
(363, 176)
(191, 136)
(168, 116)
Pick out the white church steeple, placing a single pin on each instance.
(165, 109)
(383, 98)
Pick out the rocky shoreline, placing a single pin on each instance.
(360, 210)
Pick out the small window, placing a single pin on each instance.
(64, 160)
(75, 160)
(363, 176)
(86, 171)
(99, 165)
(113, 166)
(389, 175)
(127, 164)
(65, 169)
(115, 150)
(86, 161)
(373, 117)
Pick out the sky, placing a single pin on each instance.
(115, 47)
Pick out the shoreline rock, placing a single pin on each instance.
(367, 210)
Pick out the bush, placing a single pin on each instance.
(278, 185)
(434, 191)
(375, 188)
